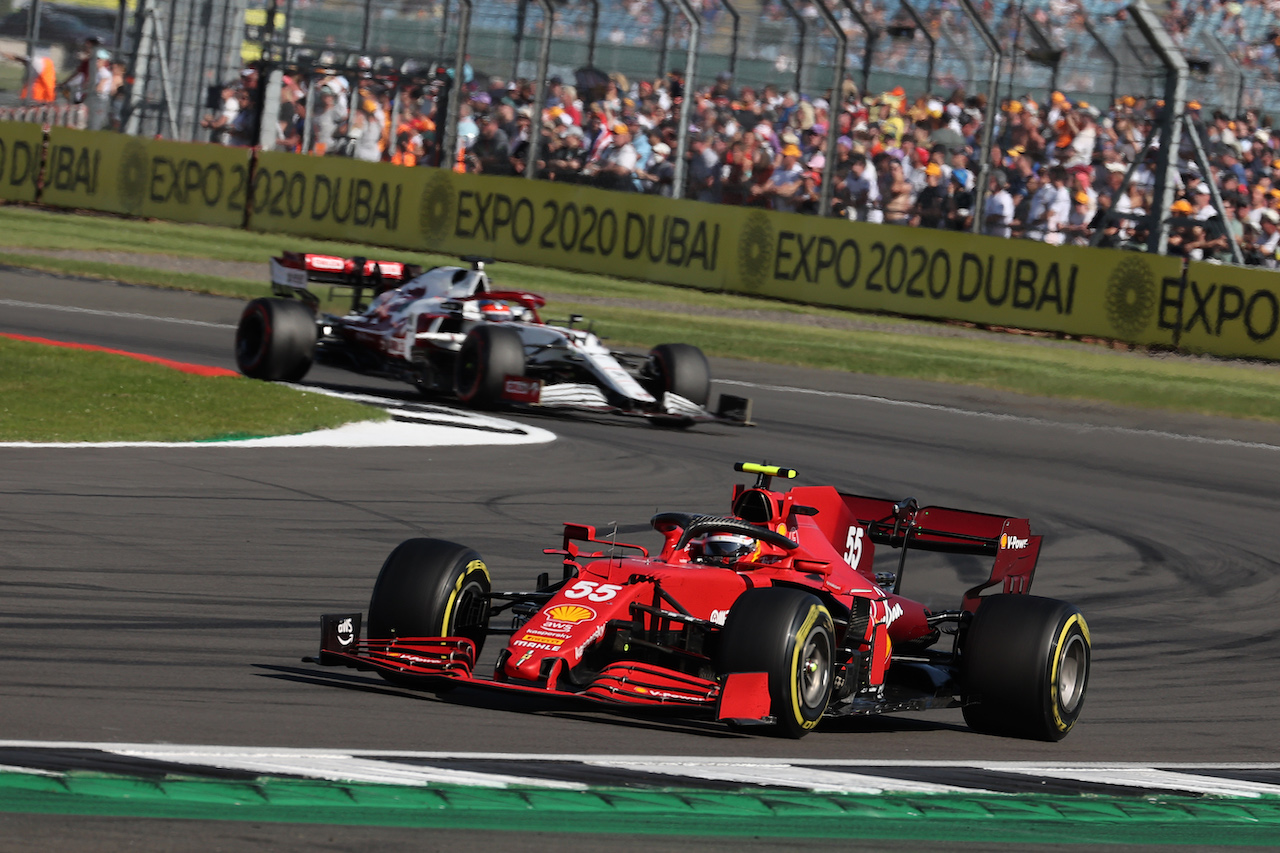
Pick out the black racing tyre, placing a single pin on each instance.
(1025, 667)
(489, 354)
(788, 634)
(430, 588)
(681, 369)
(275, 340)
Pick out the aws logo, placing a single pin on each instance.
(1013, 543)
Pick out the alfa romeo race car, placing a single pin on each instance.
(772, 615)
(449, 331)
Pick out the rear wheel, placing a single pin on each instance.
(1025, 667)
(787, 634)
(275, 340)
(489, 354)
(430, 588)
(681, 369)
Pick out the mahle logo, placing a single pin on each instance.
(1131, 296)
(436, 208)
(132, 180)
(755, 251)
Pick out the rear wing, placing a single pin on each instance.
(293, 273)
(907, 526)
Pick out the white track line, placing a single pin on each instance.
(98, 312)
(381, 766)
(343, 767)
(1002, 416)
(1149, 777)
(445, 428)
(785, 775)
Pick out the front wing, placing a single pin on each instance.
(742, 696)
(590, 398)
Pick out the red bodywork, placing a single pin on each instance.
(627, 627)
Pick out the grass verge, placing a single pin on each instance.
(1076, 372)
(53, 394)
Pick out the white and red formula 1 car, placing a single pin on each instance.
(449, 331)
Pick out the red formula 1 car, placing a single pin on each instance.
(449, 331)
(772, 615)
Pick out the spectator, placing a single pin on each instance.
(80, 83)
(933, 203)
(1050, 208)
(861, 191)
(997, 220)
(327, 120)
(367, 129)
(785, 182)
(704, 168)
(1268, 240)
(102, 88)
(659, 172)
(897, 194)
(41, 77)
(615, 167)
(490, 153)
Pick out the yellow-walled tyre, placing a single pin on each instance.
(1025, 664)
(430, 588)
(788, 634)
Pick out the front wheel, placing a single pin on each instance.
(430, 588)
(1025, 664)
(489, 354)
(681, 369)
(275, 340)
(787, 634)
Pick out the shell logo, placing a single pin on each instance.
(1004, 540)
(572, 613)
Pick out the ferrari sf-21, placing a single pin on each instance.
(777, 614)
(450, 331)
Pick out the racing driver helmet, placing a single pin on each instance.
(722, 549)
(495, 311)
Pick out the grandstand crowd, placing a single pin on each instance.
(1057, 166)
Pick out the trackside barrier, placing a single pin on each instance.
(178, 181)
(21, 153)
(67, 115)
(1131, 296)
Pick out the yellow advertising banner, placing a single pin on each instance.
(21, 149)
(1129, 296)
(932, 273)
(178, 181)
(339, 199)
(1223, 310)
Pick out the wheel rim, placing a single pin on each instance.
(1073, 668)
(469, 371)
(813, 678)
(249, 339)
(470, 614)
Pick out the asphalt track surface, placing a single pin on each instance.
(154, 595)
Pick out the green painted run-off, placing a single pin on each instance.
(786, 814)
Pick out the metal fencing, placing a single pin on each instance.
(178, 51)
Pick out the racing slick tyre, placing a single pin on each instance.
(1025, 667)
(489, 354)
(787, 634)
(430, 588)
(681, 369)
(275, 340)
